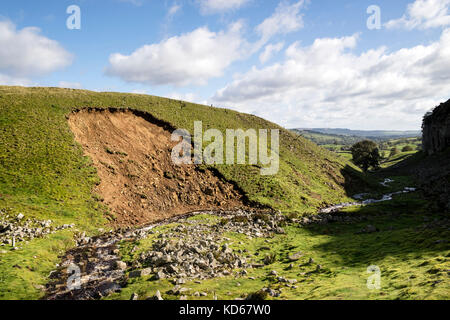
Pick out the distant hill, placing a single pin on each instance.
(365, 133)
(323, 139)
(342, 142)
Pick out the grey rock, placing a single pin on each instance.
(120, 265)
(157, 296)
(295, 256)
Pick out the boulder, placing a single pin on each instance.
(120, 265)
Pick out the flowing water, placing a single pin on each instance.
(386, 197)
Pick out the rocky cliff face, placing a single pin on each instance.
(434, 171)
(436, 129)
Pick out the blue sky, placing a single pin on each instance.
(298, 63)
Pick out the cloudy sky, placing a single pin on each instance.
(299, 63)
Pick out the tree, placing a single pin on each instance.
(407, 149)
(394, 152)
(366, 155)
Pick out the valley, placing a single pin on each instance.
(128, 224)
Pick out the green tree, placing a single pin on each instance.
(407, 149)
(394, 151)
(366, 155)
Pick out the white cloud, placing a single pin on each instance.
(13, 81)
(192, 58)
(139, 91)
(269, 50)
(286, 18)
(25, 53)
(196, 57)
(220, 6)
(173, 10)
(423, 14)
(70, 85)
(326, 84)
(137, 3)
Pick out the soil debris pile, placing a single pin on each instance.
(139, 181)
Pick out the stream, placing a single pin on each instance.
(386, 197)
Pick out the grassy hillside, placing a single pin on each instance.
(44, 175)
(36, 139)
(330, 140)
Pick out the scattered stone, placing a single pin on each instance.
(17, 229)
(272, 292)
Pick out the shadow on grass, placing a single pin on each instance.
(357, 182)
(406, 227)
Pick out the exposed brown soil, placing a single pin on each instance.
(139, 181)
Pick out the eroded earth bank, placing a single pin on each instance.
(139, 181)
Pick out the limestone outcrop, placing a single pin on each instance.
(436, 129)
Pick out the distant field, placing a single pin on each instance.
(341, 144)
(372, 134)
